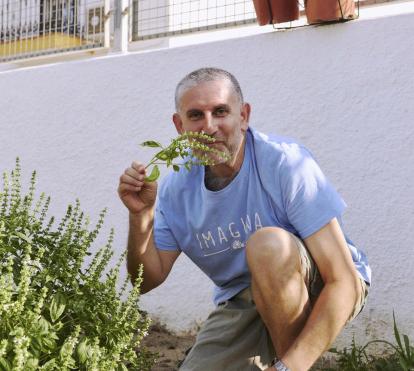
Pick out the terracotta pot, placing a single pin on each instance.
(276, 11)
(318, 11)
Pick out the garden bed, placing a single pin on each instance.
(171, 349)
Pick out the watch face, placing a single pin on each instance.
(280, 366)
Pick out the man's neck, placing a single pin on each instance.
(214, 182)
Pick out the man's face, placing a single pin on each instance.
(214, 108)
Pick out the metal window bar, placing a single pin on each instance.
(163, 18)
(31, 28)
(160, 18)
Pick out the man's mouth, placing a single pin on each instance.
(217, 141)
(211, 144)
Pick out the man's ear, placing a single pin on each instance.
(245, 114)
(178, 123)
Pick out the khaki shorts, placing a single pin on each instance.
(234, 338)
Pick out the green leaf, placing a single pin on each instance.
(24, 237)
(49, 365)
(43, 325)
(155, 174)
(83, 351)
(36, 345)
(122, 367)
(66, 350)
(48, 343)
(404, 363)
(407, 345)
(397, 334)
(4, 365)
(31, 364)
(151, 143)
(173, 155)
(57, 307)
(163, 156)
(188, 165)
(176, 168)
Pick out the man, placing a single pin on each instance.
(262, 224)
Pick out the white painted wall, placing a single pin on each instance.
(345, 90)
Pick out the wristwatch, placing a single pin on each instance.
(280, 366)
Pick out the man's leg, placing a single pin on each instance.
(233, 338)
(279, 284)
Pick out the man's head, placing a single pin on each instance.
(210, 100)
(204, 75)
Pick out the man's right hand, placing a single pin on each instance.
(136, 194)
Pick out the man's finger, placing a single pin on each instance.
(123, 187)
(138, 166)
(136, 180)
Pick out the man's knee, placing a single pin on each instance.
(272, 247)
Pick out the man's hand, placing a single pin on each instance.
(136, 194)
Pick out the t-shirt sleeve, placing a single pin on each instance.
(310, 200)
(163, 237)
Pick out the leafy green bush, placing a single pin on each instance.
(56, 311)
(400, 356)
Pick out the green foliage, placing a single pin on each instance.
(400, 356)
(189, 143)
(56, 311)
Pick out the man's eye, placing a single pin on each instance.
(221, 112)
(194, 115)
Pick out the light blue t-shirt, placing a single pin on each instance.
(279, 184)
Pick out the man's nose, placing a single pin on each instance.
(209, 126)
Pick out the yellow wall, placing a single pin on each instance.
(46, 42)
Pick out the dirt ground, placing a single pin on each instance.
(171, 349)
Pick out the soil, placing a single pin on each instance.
(170, 348)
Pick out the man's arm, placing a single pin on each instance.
(139, 198)
(142, 250)
(335, 303)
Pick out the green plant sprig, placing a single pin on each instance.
(183, 147)
(357, 358)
